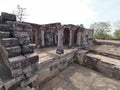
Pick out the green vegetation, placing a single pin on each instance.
(102, 30)
(117, 34)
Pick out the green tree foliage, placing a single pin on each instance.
(101, 30)
(117, 34)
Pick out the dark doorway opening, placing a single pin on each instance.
(75, 38)
(66, 37)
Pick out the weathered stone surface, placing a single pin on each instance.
(49, 38)
(117, 72)
(30, 70)
(16, 72)
(60, 48)
(28, 81)
(22, 31)
(108, 66)
(0, 20)
(7, 42)
(13, 51)
(26, 49)
(32, 58)
(4, 34)
(4, 27)
(23, 37)
(18, 62)
(105, 68)
(7, 17)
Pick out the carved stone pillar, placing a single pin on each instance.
(42, 38)
(78, 43)
(71, 39)
(60, 49)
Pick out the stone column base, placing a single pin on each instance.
(60, 51)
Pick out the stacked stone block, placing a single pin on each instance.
(15, 38)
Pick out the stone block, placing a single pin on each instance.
(49, 38)
(27, 49)
(7, 17)
(32, 58)
(4, 34)
(117, 72)
(23, 37)
(18, 62)
(30, 70)
(63, 64)
(106, 68)
(16, 72)
(7, 42)
(13, 51)
(4, 27)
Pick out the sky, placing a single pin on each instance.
(76, 12)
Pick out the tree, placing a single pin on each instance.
(101, 30)
(117, 34)
(20, 13)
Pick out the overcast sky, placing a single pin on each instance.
(66, 11)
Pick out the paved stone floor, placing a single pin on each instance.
(77, 77)
(46, 54)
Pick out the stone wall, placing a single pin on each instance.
(107, 68)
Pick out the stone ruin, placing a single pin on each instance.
(55, 34)
(17, 39)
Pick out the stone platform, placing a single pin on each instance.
(49, 63)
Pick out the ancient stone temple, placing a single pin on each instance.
(55, 34)
(20, 64)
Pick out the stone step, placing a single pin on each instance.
(4, 34)
(8, 42)
(20, 65)
(19, 62)
(13, 51)
(27, 49)
(108, 66)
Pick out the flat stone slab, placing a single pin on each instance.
(13, 51)
(105, 59)
(77, 77)
(4, 34)
(8, 42)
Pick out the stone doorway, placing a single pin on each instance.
(66, 37)
(74, 37)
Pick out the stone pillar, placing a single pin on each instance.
(78, 43)
(71, 39)
(55, 36)
(60, 49)
(36, 37)
(42, 38)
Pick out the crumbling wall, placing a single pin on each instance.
(86, 59)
